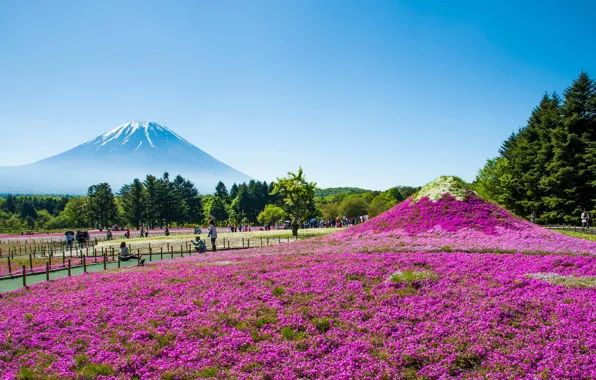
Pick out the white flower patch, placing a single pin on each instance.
(446, 184)
(570, 281)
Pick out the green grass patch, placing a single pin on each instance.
(278, 291)
(411, 276)
(289, 333)
(580, 235)
(568, 281)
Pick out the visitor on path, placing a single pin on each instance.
(142, 233)
(212, 234)
(199, 245)
(108, 234)
(125, 254)
(167, 232)
(533, 217)
(147, 232)
(127, 234)
(585, 220)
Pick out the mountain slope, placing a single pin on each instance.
(129, 151)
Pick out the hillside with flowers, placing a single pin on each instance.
(444, 285)
(445, 215)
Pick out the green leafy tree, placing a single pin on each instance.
(271, 214)
(297, 198)
(329, 211)
(44, 220)
(214, 208)
(395, 194)
(353, 206)
(381, 203)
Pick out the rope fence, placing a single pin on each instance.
(67, 260)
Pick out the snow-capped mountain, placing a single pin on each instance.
(129, 151)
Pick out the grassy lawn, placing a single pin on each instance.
(580, 235)
(231, 235)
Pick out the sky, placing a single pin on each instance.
(371, 94)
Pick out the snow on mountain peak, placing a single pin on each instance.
(154, 134)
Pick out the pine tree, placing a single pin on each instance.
(102, 205)
(222, 192)
(569, 175)
(169, 200)
(131, 198)
(233, 192)
(150, 201)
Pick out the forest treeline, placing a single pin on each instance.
(548, 167)
(175, 202)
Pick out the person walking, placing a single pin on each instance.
(533, 217)
(585, 220)
(212, 234)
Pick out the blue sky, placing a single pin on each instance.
(359, 93)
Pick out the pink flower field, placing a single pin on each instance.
(428, 290)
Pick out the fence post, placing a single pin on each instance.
(150, 254)
(31, 263)
(68, 267)
(242, 242)
(50, 261)
(139, 256)
(84, 264)
(118, 261)
(47, 271)
(24, 277)
(105, 261)
(161, 253)
(9, 267)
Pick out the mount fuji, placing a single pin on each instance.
(129, 151)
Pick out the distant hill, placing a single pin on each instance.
(321, 193)
(129, 151)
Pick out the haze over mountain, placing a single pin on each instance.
(129, 151)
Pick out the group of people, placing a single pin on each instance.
(239, 228)
(81, 237)
(199, 244)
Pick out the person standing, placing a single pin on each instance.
(585, 220)
(212, 234)
(533, 217)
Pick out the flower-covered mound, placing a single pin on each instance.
(448, 222)
(356, 315)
